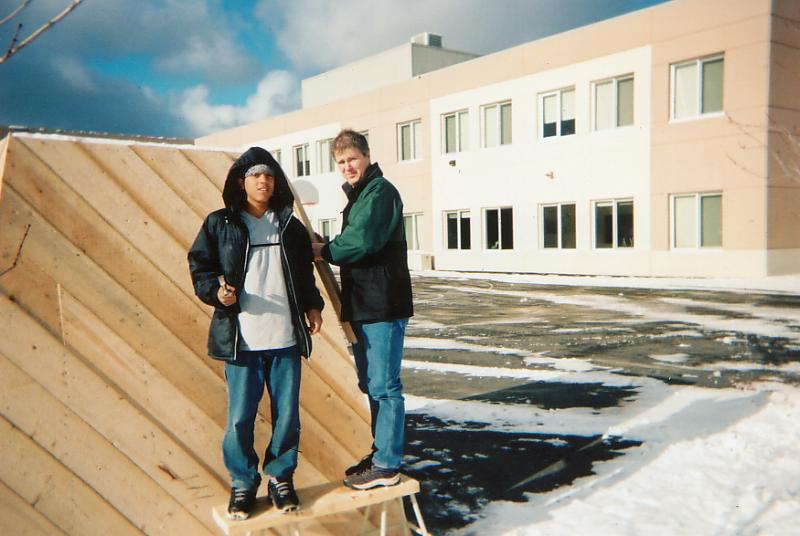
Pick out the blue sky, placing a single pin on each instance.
(184, 68)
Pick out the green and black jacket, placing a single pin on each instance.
(372, 252)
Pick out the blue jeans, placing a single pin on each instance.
(280, 371)
(378, 352)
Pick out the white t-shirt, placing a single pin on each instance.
(265, 322)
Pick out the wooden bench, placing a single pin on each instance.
(325, 500)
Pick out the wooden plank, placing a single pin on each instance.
(123, 313)
(186, 179)
(316, 502)
(67, 438)
(64, 499)
(214, 164)
(3, 150)
(114, 205)
(19, 518)
(165, 403)
(66, 211)
(105, 248)
(318, 442)
(147, 189)
(75, 385)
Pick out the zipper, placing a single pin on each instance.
(244, 273)
(288, 272)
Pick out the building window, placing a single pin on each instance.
(499, 228)
(411, 222)
(457, 224)
(697, 221)
(558, 226)
(697, 87)
(302, 165)
(613, 224)
(276, 154)
(409, 141)
(496, 124)
(558, 113)
(325, 159)
(613, 103)
(326, 228)
(455, 132)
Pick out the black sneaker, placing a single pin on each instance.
(241, 503)
(363, 465)
(372, 478)
(282, 494)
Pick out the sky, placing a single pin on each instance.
(185, 68)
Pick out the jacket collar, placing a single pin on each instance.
(372, 172)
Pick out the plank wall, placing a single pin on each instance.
(111, 415)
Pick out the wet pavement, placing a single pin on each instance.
(464, 330)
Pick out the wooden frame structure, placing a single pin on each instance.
(111, 414)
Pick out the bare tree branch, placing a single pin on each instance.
(43, 28)
(14, 13)
(15, 37)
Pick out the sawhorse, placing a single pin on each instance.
(329, 499)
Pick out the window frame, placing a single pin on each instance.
(415, 221)
(307, 160)
(559, 226)
(615, 80)
(322, 154)
(558, 93)
(498, 124)
(698, 62)
(331, 222)
(415, 145)
(485, 241)
(698, 213)
(614, 223)
(276, 154)
(459, 236)
(461, 137)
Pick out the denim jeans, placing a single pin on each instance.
(378, 352)
(246, 377)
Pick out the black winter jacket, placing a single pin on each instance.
(221, 249)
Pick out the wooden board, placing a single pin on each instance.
(22, 519)
(108, 348)
(315, 502)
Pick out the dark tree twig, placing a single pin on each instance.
(14, 48)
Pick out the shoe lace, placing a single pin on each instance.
(281, 487)
(239, 495)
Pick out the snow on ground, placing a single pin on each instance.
(662, 311)
(712, 461)
(784, 283)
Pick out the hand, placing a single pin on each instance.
(314, 318)
(317, 248)
(226, 295)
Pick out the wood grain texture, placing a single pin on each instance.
(109, 406)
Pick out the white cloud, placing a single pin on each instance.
(74, 72)
(276, 93)
(318, 35)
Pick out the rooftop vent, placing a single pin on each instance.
(428, 39)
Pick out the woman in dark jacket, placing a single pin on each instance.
(252, 261)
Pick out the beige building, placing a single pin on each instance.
(663, 142)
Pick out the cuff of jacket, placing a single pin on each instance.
(326, 254)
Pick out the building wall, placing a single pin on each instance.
(533, 171)
(719, 152)
(730, 152)
(783, 148)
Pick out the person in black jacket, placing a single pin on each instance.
(253, 262)
(376, 299)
